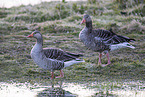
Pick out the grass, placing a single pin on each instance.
(59, 24)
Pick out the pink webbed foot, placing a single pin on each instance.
(61, 74)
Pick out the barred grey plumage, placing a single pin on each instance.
(100, 40)
(60, 54)
(51, 59)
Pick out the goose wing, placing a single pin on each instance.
(60, 54)
(109, 37)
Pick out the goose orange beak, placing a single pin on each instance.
(83, 21)
(31, 35)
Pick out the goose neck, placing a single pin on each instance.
(39, 41)
(89, 26)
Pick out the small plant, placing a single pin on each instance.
(92, 1)
(3, 13)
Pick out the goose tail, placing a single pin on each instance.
(121, 45)
(69, 63)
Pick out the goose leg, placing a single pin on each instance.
(61, 74)
(108, 58)
(100, 55)
(109, 62)
(52, 75)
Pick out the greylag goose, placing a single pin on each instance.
(100, 40)
(51, 59)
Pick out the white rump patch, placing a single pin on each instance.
(69, 63)
(121, 45)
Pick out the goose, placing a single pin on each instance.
(102, 41)
(51, 59)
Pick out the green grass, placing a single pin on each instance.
(59, 24)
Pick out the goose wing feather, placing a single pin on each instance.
(109, 37)
(101, 35)
(60, 54)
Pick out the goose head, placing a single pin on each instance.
(86, 19)
(36, 34)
